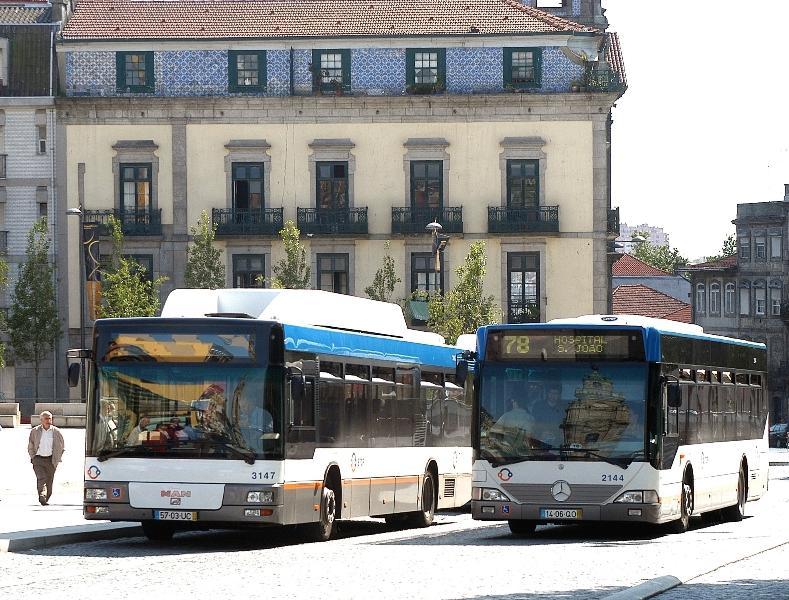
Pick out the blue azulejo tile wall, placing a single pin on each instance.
(374, 71)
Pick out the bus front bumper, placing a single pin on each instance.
(484, 510)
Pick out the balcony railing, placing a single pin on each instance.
(347, 221)
(261, 221)
(523, 311)
(539, 219)
(605, 80)
(613, 222)
(414, 220)
(143, 222)
(3, 242)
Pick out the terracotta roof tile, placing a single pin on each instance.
(261, 19)
(24, 14)
(630, 266)
(614, 56)
(722, 264)
(642, 300)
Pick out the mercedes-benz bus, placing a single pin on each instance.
(272, 407)
(616, 418)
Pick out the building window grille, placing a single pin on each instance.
(760, 301)
(248, 270)
(744, 244)
(745, 302)
(775, 302)
(423, 273)
(701, 298)
(775, 247)
(760, 247)
(333, 273)
(523, 287)
(729, 299)
(715, 299)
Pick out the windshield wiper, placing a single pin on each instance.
(245, 453)
(107, 454)
(623, 463)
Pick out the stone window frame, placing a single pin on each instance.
(524, 247)
(760, 238)
(414, 254)
(420, 149)
(775, 288)
(772, 236)
(733, 288)
(136, 152)
(523, 148)
(714, 298)
(233, 252)
(507, 313)
(331, 150)
(701, 298)
(323, 252)
(247, 151)
(744, 294)
(744, 247)
(414, 245)
(759, 288)
(321, 245)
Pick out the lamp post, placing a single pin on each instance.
(440, 241)
(79, 212)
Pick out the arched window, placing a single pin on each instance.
(715, 298)
(701, 298)
(729, 298)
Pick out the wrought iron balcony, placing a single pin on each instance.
(142, 222)
(539, 219)
(347, 221)
(523, 311)
(414, 220)
(261, 221)
(613, 222)
(603, 80)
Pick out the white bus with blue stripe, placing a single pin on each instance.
(616, 418)
(252, 407)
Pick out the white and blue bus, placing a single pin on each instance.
(272, 407)
(616, 418)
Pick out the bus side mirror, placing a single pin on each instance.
(673, 395)
(73, 374)
(461, 371)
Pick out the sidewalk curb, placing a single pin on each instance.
(648, 589)
(19, 541)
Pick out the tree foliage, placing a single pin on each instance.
(33, 324)
(664, 258)
(125, 289)
(385, 279)
(728, 248)
(204, 266)
(465, 308)
(292, 272)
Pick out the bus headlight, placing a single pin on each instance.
(95, 494)
(493, 495)
(261, 497)
(638, 497)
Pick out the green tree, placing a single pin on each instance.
(664, 258)
(385, 279)
(204, 267)
(125, 290)
(465, 308)
(33, 324)
(728, 248)
(292, 272)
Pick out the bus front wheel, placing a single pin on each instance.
(324, 528)
(685, 507)
(522, 527)
(157, 532)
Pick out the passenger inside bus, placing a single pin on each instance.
(514, 427)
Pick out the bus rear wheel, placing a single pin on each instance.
(736, 512)
(157, 532)
(324, 528)
(522, 527)
(425, 517)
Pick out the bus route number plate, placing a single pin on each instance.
(564, 514)
(174, 515)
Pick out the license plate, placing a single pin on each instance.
(174, 515)
(565, 514)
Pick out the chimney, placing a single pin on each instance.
(786, 192)
(60, 9)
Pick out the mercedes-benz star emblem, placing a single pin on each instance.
(561, 491)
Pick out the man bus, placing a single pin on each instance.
(622, 418)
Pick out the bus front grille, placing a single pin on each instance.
(535, 493)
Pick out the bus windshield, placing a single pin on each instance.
(576, 411)
(220, 411)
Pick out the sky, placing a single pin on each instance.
(704, 124)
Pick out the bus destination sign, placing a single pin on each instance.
(565, 344)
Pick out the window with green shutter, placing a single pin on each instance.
(134, 72)
(246, 70)
(523, 67)
(426, 70)
(331, 71)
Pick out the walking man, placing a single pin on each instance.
(45, 447)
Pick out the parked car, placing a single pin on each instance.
(779, 435)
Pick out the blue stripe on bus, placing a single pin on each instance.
(652, 335)
(345, 343)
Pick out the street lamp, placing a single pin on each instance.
(440, 241)
(79, 213)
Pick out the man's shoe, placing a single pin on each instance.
(42, 500)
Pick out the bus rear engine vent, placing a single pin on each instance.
(449, 488)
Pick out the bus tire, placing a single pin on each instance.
(324, 528)
(685, 507)
(157, 532)
(522, 527)
(425, 516)
(736, 512)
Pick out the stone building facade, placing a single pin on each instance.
(745, 295)
(493, 119)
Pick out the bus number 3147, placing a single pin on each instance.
(263, 475)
